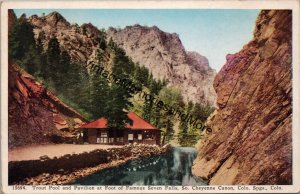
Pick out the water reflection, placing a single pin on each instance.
(171, 168)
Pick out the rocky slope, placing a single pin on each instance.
(35, 115)
(165, 56)
(251, 141)
(79, 41)
(162, 53)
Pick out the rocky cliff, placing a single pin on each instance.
(164, 55)
(251, 141)
(80, 41)
(35, 115)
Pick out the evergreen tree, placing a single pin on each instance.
(22, 46)
(21, 39)
(186, 135)
(173, 98)
(118, 103)
(111, 44)
(65, 60)
(39, 43)
(122, 64)
(102, 43)
(53, 69)
(148, 109)
(167, 123)
(99, 96)
(31, 60)
(141, 75)
(202, 112)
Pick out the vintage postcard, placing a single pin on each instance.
(150, 97)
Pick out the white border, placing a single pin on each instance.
(251, 4)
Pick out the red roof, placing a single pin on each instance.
(137, 123)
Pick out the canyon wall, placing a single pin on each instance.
(165, 56)
(251, 141)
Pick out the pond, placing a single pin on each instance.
(171, 168)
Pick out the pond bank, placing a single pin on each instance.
(113, 157)
(170, 168)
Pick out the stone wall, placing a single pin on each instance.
(18, 170)
(26, 172)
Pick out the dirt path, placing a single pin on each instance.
(34, 152)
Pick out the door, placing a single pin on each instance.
(103, 137)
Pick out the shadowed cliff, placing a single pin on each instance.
(251, 141)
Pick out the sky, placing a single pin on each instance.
(213, 33)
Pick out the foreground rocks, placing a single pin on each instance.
(115, 156)
(252, 129)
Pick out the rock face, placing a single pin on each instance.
(164, 55)
(81, 42)
(251, 141)
(35, 114)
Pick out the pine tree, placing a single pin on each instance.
(172, 98)
(111, 44)
(99, 96)
(167, 123)
(202, 112)
(53, 68)
(121, 63)
(186, 135)
(39, 42)
(118, 103)
(102, 43)
(22, 46)
(21, 39)
(147, 110)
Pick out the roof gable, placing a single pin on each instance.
(137, 123)
(99, 123)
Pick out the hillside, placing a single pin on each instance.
(252, 129)
(160, 52)
(36, 115)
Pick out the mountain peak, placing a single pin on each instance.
(55, 14)
(54, 18)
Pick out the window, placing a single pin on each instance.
(103, 140)
(130, 136)
(119, 139)
(149, 136)
(140, 136)
(103, 134)
(111, 140)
